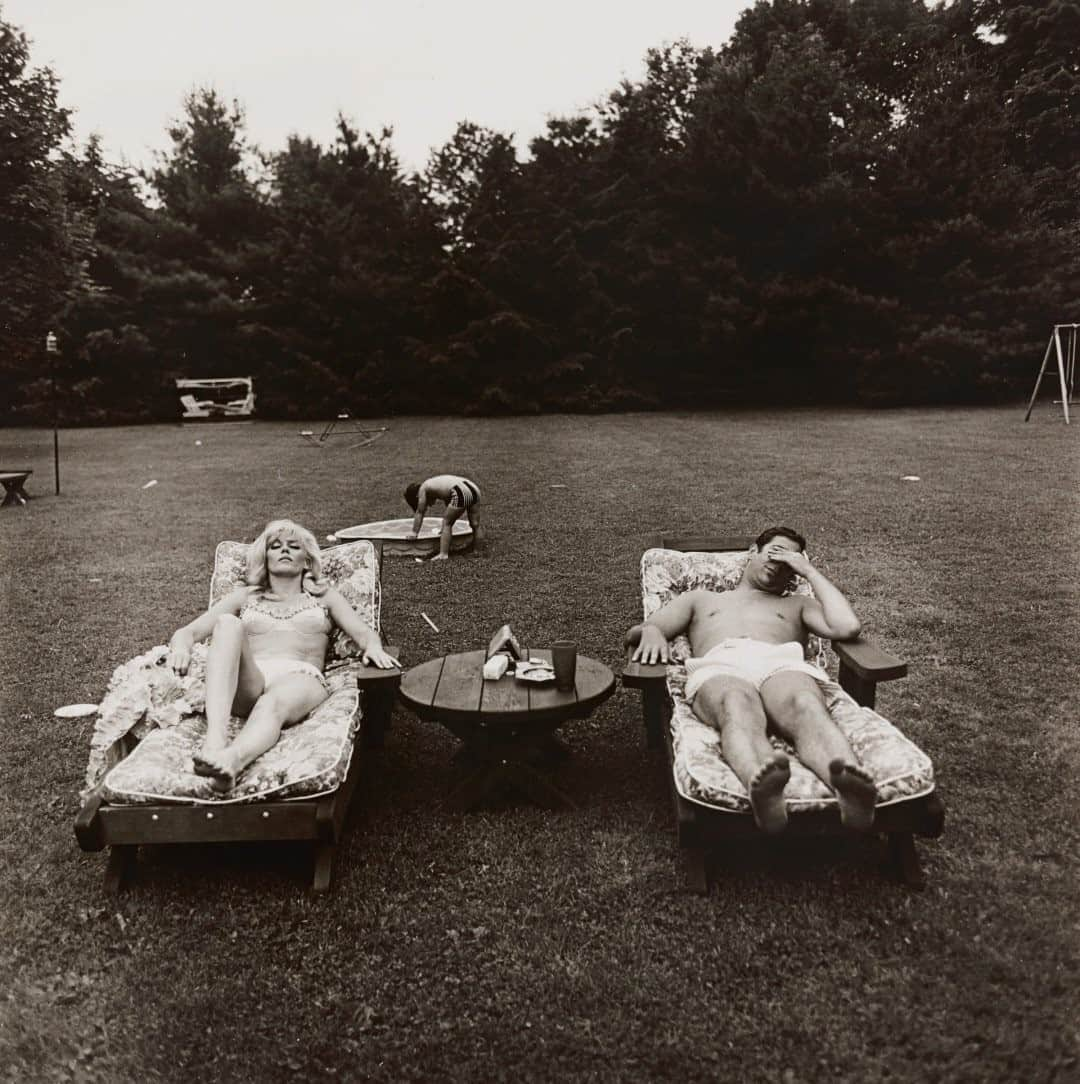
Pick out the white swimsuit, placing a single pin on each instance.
(752, 660)
(307, 616)
(276, 666)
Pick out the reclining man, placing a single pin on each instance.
(749, 673)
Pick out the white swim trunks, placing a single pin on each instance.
(752, 660)
(276, 666)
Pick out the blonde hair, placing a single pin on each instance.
(258, 575)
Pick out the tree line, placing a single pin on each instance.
(850, 201)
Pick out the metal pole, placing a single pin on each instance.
(1046, 358)
(1061, 374)
(52, 351)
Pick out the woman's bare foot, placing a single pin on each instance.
(856, 793)
(767, 794)
(212, 748)
(216, 765)
(441, 557)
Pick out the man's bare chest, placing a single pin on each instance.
(766, 617)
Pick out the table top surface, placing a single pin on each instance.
(6, 475)
(453, 687)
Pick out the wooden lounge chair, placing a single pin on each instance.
(141, 788)
(712, 809)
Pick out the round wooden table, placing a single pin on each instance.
(506, 726)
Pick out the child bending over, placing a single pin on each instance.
(459, 495)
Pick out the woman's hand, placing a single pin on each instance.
(374, 655)
(179, 657)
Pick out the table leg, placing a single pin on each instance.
(474, 788)
(536, 787)
(488, 780)
(555, 749)
(490, 767)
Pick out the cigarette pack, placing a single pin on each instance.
(495, 667)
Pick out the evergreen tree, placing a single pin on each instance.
(113, 369)
(1036, 53)
(487, 343)
(39, 257)
(870, 199)
(167, 273)
(210, 213)
(353, 244)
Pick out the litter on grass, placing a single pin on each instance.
(429, 621)
(152, 482)
(75, 711)
(558, 485)
(910, 478)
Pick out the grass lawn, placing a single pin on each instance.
(522, 945)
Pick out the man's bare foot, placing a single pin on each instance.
(216, 765)
(856, 793)
(767, 794)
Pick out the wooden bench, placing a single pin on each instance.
(13, 487)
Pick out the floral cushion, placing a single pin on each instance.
(164, 711)
(310, 758)
(899, 768)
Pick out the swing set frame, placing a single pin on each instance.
(346, 430)
(1066, 365)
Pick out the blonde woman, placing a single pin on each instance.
(268, 644)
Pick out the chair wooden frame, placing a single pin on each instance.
(703, 830)
(319, 819)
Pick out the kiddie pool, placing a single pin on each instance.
(392, 533)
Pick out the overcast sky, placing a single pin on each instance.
(419, 66)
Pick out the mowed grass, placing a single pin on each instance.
(516, 944)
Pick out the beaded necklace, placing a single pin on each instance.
(261, 604)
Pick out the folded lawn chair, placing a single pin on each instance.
(141, 787)
(711, 805)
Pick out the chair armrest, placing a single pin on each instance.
(867, 661)
(862, 666)
(642, 675)
(368, 676)
(651, 679)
